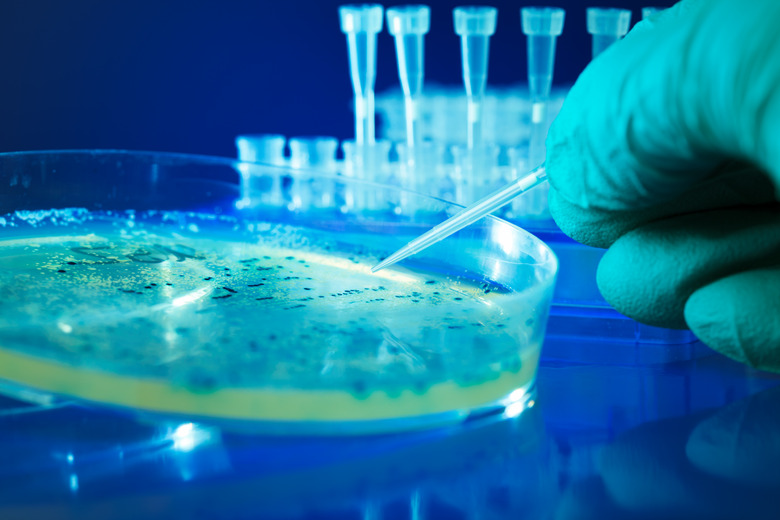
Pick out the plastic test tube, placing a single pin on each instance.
(542, 26)
(261, 148)
(607, 25)
(408, 25)
(361, 23)
(475, 26)
(265, 149)
(313, 153)
(318, 153)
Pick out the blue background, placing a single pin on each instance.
(187, 76)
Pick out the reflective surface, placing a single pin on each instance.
(696, 439)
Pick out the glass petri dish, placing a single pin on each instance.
(241, 295)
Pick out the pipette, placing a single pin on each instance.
(475, 26)
(361, 23)
(542, 26)
(469, 215)
(408, 25)
(607, 25)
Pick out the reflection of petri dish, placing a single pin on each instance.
(154, 293)
(53, 457)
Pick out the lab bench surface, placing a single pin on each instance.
(694, 436)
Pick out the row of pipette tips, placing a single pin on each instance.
(474, 25)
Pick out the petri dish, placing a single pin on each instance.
(197, 288)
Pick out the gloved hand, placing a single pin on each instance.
(667, 151)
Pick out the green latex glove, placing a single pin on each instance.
(667, 151)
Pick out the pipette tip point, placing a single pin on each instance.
(381, 265)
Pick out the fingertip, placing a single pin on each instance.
(641, 281)
(737, 316)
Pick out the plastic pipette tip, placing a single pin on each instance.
(408, 24)
(542, 26)
(390, 260)
(475, 25)
(361, 23)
